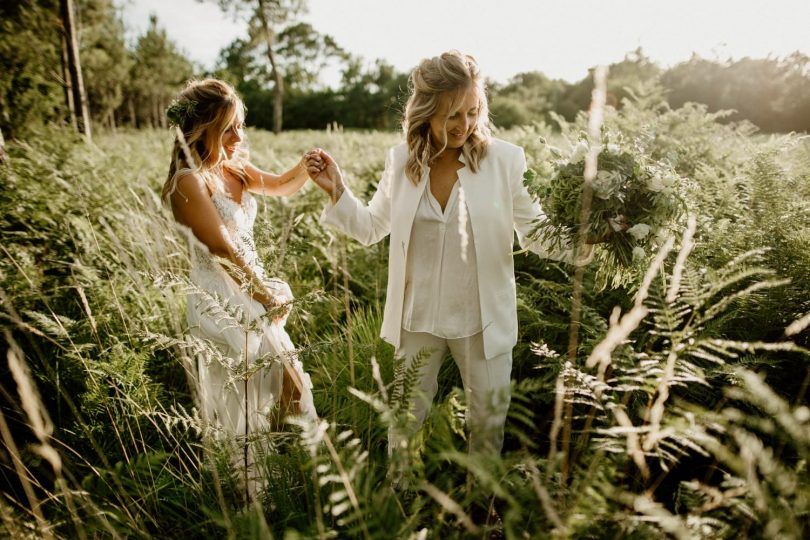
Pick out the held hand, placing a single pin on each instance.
(314, 162)
(278, 307)
(324, 171)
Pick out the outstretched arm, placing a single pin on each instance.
(368, 224)
(192, 206)
(279, 185)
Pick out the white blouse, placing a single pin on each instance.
(441, 276)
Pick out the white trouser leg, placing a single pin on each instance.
(487, 388)
(433, 349)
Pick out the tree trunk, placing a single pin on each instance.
(163, 122)
(131, 105)
(3, 155)
(278, 91)
(75, 67)
(67, 85)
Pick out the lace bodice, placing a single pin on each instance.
(238, 219)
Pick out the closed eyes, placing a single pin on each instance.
(471, 114)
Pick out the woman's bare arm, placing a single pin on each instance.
(279, 185)
(192, 206)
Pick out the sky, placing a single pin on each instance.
(561, 38)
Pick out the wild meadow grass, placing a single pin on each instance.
(687, 393)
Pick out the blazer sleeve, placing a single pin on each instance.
(368, 224)
(526, 214)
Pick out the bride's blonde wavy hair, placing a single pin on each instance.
(451, 73)
(204, 111)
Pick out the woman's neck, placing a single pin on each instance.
(448, 155)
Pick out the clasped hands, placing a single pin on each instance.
(324, 171)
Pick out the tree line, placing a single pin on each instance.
(277, 69)
(772, 93)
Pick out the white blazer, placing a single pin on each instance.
(498, 203)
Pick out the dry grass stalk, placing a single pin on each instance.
(657, 410)
(344, 479)
(349, 323)
(617, 334)
(556, 424)
(545, 500)
(377, 376)
(619, 331)
(39, 420)
(462, 222)
(797, 326)
(23, 475)
(86, 306)
(596, 116)
(633, 446)
(686, 247)
(652, 271)
(40, 424)
(284, 238)
(451, 506)
(184, 145)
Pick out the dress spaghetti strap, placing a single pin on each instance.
(182, 171)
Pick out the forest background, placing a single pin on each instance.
(130, 83)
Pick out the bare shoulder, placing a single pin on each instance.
(189, 185)
(191, 199)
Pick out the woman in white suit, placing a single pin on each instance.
(450, 198)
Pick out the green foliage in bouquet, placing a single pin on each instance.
(637, 202)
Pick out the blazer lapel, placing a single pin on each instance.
(474, 197)
(407, 202)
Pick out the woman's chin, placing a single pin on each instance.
(456, 142)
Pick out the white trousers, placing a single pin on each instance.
(486, 386)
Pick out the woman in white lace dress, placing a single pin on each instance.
(248, 369)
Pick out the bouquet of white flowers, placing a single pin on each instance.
(636, 204)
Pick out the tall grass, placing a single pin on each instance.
(687, 399)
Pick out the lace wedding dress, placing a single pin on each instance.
(240, 373)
